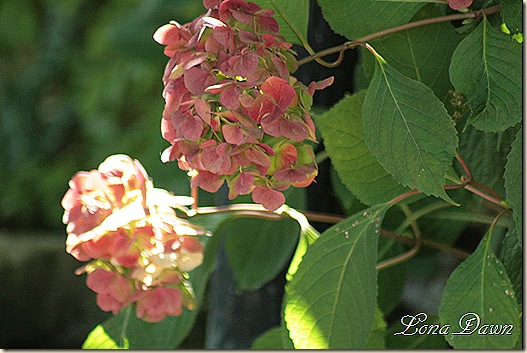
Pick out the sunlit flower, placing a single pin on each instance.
(131, 233)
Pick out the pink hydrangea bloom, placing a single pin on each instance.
(228, 91)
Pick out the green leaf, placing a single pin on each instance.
(292, 17)
(272, 339)
(341, 128)
(511, 13)
(487, 69)
(408, 130)
(422, 54)
(258, 249)
(125, 330)
(479, 289)
(512, 257)
(376, 339)
(485, 153)
(357, 18)
(331, 300)
(391, 280)
(514, 182)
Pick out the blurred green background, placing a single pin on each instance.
(79, 80)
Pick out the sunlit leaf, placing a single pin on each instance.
(408, 130)
(331, 300)
(479, 294)
(487, 69)
(272, 339)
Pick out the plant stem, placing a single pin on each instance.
(478, 192)
(258, 211)
(352, 44)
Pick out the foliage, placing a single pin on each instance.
(443, 90)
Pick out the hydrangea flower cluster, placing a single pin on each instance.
(139, 250)
(233, 113)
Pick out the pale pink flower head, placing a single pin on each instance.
(158, 303)
(102, 201)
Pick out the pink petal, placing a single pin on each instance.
(229, 97)
(268, 198)
(232, 133)
(244, 184)
(197, 80)
(459, 4)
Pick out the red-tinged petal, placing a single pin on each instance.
(211, 3)
(320, 85)
(258, 157)
(232, 133)
(191, 244)
(159, 303)
(207, 181)
(280, 90)
(194, 60)
(290, 175)
(268, 40)
(244, 184)
(243, 65)
(192, 128)
(229, 97)
(125, 251)
(223, 150)
(225, 36)
(170, 153)
(100, 280)
(197, 80)
(295, 130)
(108, 303)
(100, 248)
(267, 22)
(285, 156)
(459, 4)
(268, 149)
(281, 68)
(247, 37)
(261, 107)
(203, 110)
(307, 181)
(167, 34)
(268, 198)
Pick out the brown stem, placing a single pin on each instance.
(478, 192)
(404, 196)
(258, 211)
(352, 44)
(464, 166)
